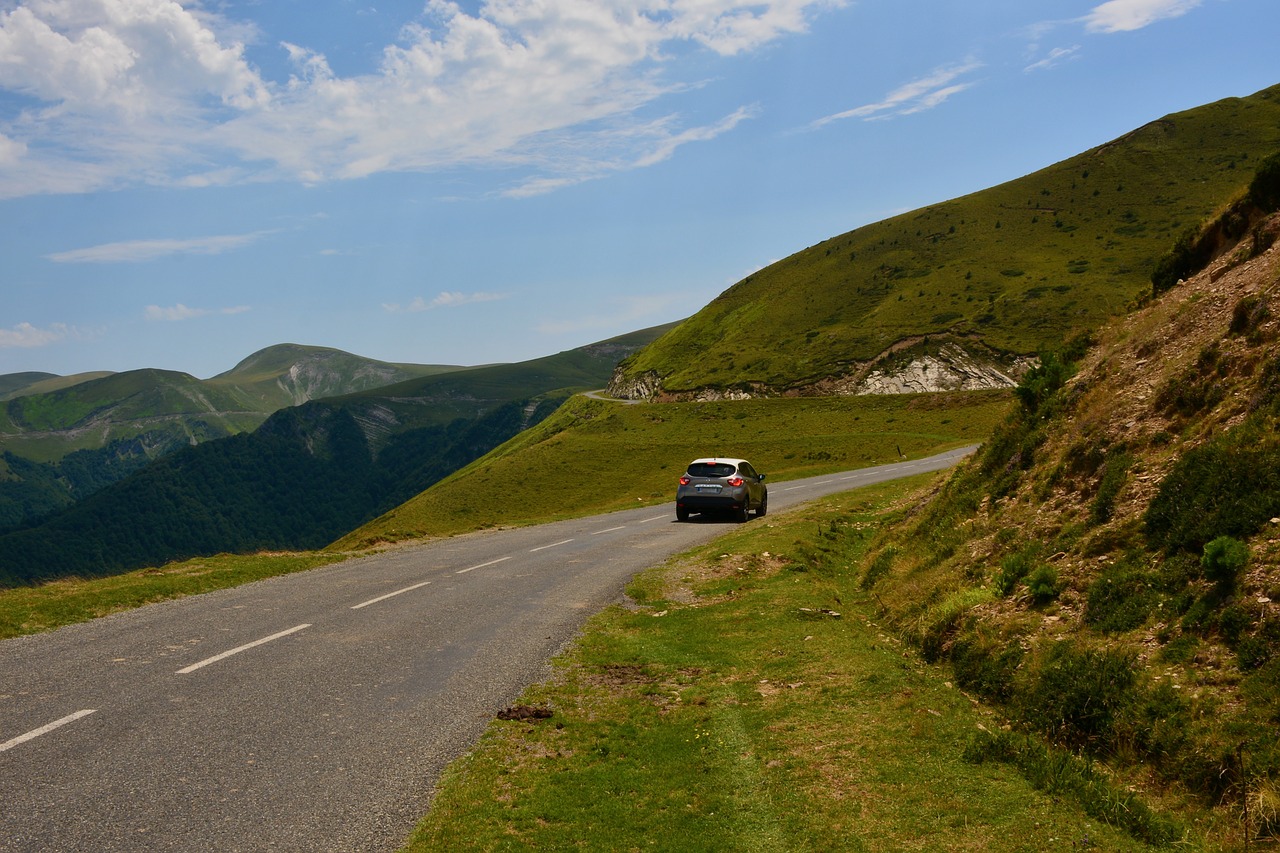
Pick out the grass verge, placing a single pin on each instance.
(32, 609)
(749, 701)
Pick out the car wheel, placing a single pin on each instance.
(741, 514)
(763, 508)
(682, 514)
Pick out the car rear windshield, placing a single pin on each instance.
(711, 469)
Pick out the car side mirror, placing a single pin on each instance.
(762, 478)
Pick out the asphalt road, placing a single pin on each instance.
(312, 712)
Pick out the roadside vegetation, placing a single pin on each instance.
(34, 609)
(1107, 569)
(748, 697)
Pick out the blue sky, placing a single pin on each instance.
(184, 183)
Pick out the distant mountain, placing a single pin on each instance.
(310, 473)
(21, 384)
(961, 292)
(91, 430)
(46, 419)
(290, 374)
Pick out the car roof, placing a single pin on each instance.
(718, 460)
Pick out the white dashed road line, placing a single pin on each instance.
(552, 545)
(482, 565)
(610, 530)
(238, 649)
(388, 595)
(43, 730)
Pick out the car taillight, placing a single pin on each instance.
(684, 481)
(736, 481)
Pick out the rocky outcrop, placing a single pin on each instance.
(952, 368)
(645, 386)
(909, 367)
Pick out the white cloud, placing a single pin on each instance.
(1116, 16)
(182, 312)
(27, 335)
(11, 151)
(914, 97)
(146, 250)
(147, 91)
(444, 300)
(137, 55)
(1055, 57)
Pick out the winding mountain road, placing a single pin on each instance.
(315, 711)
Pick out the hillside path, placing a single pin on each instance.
(315, 711)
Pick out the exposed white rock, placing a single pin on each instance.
(952, 369)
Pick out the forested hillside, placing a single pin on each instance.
(64, 438)
(309, 474)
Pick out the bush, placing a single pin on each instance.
(1077, 694)
(1191, 252)
(1264, 190)
(1042, 382)
(1114, 473)
(986, 665)
(1013, 569)
(1248, 314)
(1223, 560)
(1218, 489)
(1044, 584)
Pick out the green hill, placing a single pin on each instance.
(45, 420)
(1107, 569)
(63, 438)
(291, 374)
(1004, 272)
(305, 476)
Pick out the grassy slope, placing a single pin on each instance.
(598, 456)
(726, 711)
(1018, 266)
(1039, 574)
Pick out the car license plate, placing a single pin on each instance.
(708, 488)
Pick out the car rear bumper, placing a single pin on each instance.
(700, 503)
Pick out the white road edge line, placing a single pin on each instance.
(44, 730)
(388, 595)
(552, 545)
(237, 650)
(610, 530)
(482, 565)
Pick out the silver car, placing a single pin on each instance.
(721, 485)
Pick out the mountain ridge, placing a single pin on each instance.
(1000, 274)
(305, 476)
